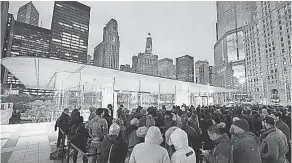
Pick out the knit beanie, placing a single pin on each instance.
(134, 122)
(114, 129)
(242, 123)
(269, 120)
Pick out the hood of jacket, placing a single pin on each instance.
(179, 139)
(153, 136)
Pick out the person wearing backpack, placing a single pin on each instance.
(113, 149)
(62, 123)
(79, 139)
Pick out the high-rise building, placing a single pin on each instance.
(126, 68)
(88, 59)
(268, 53)
(211, 75)
(6, 46)
(134, 63)
(106, 54)
(70, 29)
(166, 68)
(229, 50)
(4, 17)
(148, 62)
(202, 72)
(28, 14)
(30, 40)
(185, 68)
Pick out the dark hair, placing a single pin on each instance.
(214, 129)
(99, 111)
(109, 105)
(278, 114)
(269, 120)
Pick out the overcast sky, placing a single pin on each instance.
(177, 28)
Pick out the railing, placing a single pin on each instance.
(69, 144)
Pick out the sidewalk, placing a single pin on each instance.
(28, 143)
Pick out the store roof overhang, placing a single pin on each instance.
(46, 73)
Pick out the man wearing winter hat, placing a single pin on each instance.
(245, 148)
(113, 149)
(274, 144)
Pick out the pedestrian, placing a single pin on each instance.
(150, 151)
(274, 144)
(62, 123)
(79, 138)
(246, 146)
(97, 129)
(183, 153)
(113, 150)
(143, 118)
(222, 150)
(193, 135)
(130, 135)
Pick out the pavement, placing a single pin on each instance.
(28, 143)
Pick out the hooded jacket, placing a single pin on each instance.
(274, 146)
(183, 153)
(118, 152)
(221, 152)
(150, 151)
(246, 148)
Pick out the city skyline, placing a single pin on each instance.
(167, 29)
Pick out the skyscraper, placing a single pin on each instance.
(6, 46)
(202, 72)
(268, 53)
(229, 50)
(30, 40)
(185, 68)
(166, 68)
(4, 16)
(70, 29)
(106, 54)
(148, 62)
(211, 75)
(28, 14)
(134, 63)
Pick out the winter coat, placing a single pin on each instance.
(150, 151)
(79, 136)
(142, 121)
(131, 137)
(222, 151)
(183, 153)
(98, 127)
(194, 123)
(246, 148)
(274, 146)
(193, 136)
(284, 128)
(118, 152)
(63, 122)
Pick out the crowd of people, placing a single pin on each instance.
(241, 134)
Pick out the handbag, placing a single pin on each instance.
(109, 155)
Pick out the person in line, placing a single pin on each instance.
(274, 144)
(221, 152)
(142, 131)
(79, 139)
(150, 151)
(97, 129)
(130, 135)
(113, 150)
(193, 135)
(142, 120)
(246, 146)
(62, 123)
(107, 117)
(183, 153)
